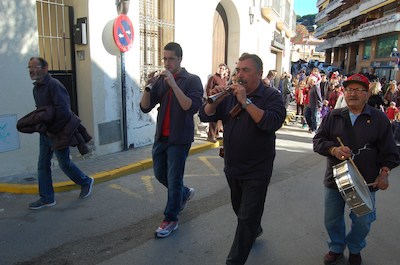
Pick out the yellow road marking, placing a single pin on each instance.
(125, 190)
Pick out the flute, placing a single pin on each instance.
(156, 76)
(211, 99)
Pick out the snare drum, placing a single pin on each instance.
(353, 188)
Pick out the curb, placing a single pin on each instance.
(289, 116)
(101, 176)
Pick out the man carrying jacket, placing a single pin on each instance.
(48, 91)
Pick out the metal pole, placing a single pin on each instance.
(123, 88)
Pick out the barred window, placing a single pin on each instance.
(157, 28)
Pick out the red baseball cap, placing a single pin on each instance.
(357, 78)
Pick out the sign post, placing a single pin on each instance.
(123, 38)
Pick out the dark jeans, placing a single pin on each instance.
(46, 190)
(247, 197)
(311, 117)
(169, 166)
(299, 109)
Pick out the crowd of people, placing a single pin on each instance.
(317, 94)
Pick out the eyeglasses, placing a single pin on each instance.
(358, 90)
(169, 59)
(33, 67)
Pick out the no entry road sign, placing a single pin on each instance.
(123, 33)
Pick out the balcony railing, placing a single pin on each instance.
(320, 15)
(347, 14)
(367, 4)
(271, 9)
(387, 24)
(320, 2)
(319, 32)
(333, 5)
(331, 24)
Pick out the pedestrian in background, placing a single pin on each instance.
(314, 104)
(220, 78)
(332, 95)
(367, 136)
(269, 80)
(391, 111)
(298, 95)
(391, 94)
(396, 129)
(251, 115)
(179, 94)
(376, 98)
(324, 109)
(48, 91)
(287, 89)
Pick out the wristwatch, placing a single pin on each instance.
(248, 102)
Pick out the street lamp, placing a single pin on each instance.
(251, 14)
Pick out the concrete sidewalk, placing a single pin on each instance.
(101, 168)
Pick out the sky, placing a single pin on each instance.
(305, 7)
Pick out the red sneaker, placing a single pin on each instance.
(331, 258)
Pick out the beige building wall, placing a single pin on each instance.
(99, 72)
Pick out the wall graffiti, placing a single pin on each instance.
(9, 137)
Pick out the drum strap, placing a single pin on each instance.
(350, 129)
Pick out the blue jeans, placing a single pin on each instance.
(336, 228)
(169, 166)
(44, 169)
(311, 117)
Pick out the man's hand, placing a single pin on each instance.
(382, 181)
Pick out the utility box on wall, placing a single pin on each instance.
(80, 31)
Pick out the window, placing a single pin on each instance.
(367, 50)
(385, 46)
(156, 25)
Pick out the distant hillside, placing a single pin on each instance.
(308, 21)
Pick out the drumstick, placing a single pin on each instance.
(352, 161)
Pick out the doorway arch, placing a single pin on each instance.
(220, 38)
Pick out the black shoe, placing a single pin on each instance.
(354, 259)
(40, 204)
(260, 231)
(332, 258)
(86, 189)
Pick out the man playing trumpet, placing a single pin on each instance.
(251, 114)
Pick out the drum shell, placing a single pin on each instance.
(353, 188)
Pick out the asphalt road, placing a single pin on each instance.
(116, 224)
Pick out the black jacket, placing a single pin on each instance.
(372, 129)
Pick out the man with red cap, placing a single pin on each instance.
(366, 137)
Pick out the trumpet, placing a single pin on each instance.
(211, 99)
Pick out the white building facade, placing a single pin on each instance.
(105, 86)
